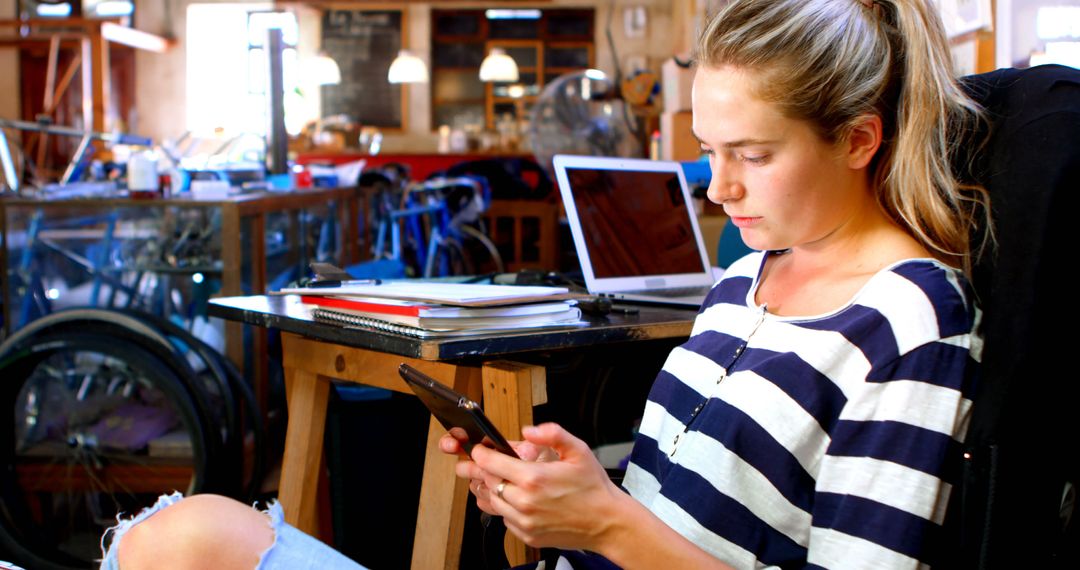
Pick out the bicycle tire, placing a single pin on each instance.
(118, 325)
(449, 258)
(80, 444)
(493, 256)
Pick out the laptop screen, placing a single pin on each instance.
(635, 223)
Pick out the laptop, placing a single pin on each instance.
(634, 229)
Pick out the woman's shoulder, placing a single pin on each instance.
(923, 300)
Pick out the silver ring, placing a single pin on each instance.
(499, 490)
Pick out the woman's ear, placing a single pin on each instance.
(863, 141)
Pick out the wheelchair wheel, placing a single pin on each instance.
(92, 425)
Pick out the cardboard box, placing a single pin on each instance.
(677, 140)
(677, 83)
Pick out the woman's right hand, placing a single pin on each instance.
(453, 443)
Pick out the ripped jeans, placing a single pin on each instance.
(291, 548)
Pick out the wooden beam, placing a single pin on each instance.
(50, 88)
(135, 38)
(88, 63)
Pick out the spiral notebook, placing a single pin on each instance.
(364, 322)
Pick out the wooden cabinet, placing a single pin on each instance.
(546, 46)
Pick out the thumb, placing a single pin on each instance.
(554, 436)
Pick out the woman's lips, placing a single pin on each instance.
(744, 221)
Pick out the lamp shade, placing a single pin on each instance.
(407, 68)
(498, 66)
(325, 70)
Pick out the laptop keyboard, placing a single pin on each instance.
(674, 292)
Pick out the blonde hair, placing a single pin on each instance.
(832, 62)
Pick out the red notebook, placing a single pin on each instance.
(421, 309)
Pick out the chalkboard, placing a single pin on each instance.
(363, 43)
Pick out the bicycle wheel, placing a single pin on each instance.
(482, 251)
(91, 426)
(449, 258)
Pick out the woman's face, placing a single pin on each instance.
(782, 185)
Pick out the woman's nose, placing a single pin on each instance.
(723, 186)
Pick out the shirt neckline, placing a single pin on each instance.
(751, 295)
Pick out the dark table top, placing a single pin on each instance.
(286, 313)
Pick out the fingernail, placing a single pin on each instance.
(529, 430)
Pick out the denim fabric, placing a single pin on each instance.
(292, 549)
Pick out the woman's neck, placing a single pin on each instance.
(822, 276)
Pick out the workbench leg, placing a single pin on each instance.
(300, 470)
(440, 521)
(510, 392)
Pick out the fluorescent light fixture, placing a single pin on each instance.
(498, 66)
(505, 14)
(407, 68)
(54, 10)
(114, 8)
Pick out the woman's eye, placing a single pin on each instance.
(707, 151)
(754, 158)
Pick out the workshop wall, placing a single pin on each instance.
(9, 69)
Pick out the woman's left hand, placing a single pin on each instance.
(568, 503)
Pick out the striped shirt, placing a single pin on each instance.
(827, 441)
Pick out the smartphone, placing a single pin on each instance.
(454, 410)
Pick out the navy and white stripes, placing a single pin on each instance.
(828, 441)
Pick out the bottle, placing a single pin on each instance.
(142, 175)
(654, 145)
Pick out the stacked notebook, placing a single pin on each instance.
(431, 310)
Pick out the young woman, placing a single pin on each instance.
(813, 418)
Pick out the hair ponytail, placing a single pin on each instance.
(832, 62)
(933, 113)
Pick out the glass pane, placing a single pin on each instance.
(457, 23)
(257, 68)
(459, 116)
(514, 28)
(505, 109)
(37, 9)
(523, 56)
(458, 85)
(260, 22)
(570, 23)
(577, 57)
(507, 89)
(458, 55)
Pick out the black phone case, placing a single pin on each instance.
(455, 410)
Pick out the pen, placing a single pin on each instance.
(332, 283)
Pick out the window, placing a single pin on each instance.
(227, 68)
